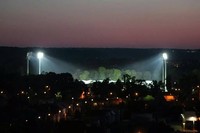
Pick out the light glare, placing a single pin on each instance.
(40, 55)
(192, 118)
(165, 57)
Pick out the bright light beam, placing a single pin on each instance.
(40, 56)
(165, 57)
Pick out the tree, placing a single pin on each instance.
(133, 72)
(127, 78)
(187, 83)
(116, 74)
(102, 71)
(84, 75)
(128, 72)
(94, 75)
(77, 74)
(109, 73)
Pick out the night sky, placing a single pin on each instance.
(100, 23)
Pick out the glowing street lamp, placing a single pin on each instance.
(165, 57)
(193, 119)
(40, 56)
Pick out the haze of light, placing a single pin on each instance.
(100, 23)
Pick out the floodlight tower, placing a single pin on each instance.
(40, 56)
(28, 57)
(165, 57)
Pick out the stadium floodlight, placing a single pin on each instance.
(40, 55)
(28, 57)
(165, 57)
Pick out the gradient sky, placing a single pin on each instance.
(100, 23)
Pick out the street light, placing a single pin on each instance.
(28, 57)
(193, 119)
(165, 57)
(40, 56)
(183, 120)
